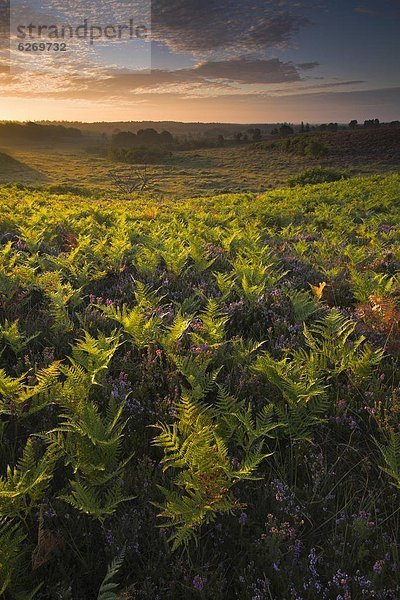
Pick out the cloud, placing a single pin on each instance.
(333, 84)
(229, 25)
(75, 11)
(308, 66)
(248, 71)
(207, 78)
(365, 10)
(314, 88)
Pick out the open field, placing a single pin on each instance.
(205, 172)
(207, 391)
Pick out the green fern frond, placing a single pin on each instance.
(225, 283)
(390, 452)
(94, 354)
(303, 305)
(26, 483)
(107, 588)
(94, 502)
(197, 450)
(11, 538)
(174, 333)
(12, 336)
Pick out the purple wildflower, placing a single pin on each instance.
(243, 518)
(109, 538)
(297, 550)
(378, 566)
(199, 582)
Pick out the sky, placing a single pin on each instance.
(236, 61)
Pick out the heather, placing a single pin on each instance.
(200, 399)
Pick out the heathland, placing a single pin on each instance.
(207, 167)
(200, 393)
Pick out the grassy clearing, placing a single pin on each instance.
(204, 172)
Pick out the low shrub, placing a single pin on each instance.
(301, 146)
(139, 155)
(317, 175)
(65, 188)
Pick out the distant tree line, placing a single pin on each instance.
(372, 124)
(34, 132)
(129, 146)
(284, 130)
(368, 124)
(150, 138)
(143, 138)
(147, 146)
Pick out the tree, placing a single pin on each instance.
(353, 124)
(124, 138)
(257, 134)
(286, 129)
(333, 127)
(148, 137)
(166, 138)
(372, 123)
(137, 180)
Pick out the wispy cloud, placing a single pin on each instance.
(308, 66)
(243, 70)
(227, 25)
(365, 10)
(205, 78)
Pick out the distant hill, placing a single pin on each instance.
(174, 127)
(382, 143)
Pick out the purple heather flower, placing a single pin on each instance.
(108, 536)
(243, 518)
(297, 550)
(341, 518)
(312, 562)
(199, 582)
(132, 405)
(340, 579)
(352, 423)
(378, 566)
(362, 581)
